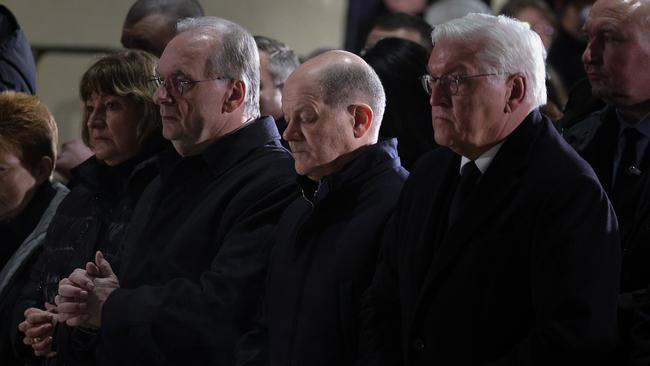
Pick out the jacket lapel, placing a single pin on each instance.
(487, 201)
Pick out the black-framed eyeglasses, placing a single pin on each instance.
(176, 86)
(450, 83)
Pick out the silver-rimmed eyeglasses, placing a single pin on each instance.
(450, 83)
(176, 86)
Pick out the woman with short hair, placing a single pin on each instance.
(28, 199)
(123, 128)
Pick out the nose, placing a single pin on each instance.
(438, 95)
(592, 54)
(162, 96)
(96, 118)
(291, 132)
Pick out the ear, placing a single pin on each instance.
(234, 97)
(516, 93)
(362, 117)
(43, 170)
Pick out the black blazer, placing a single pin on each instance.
(528, 274)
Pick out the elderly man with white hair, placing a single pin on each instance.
(503, 249)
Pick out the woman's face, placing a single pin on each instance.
(17, 185)
(112, 127)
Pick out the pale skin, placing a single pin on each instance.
(208, 110)
(484, 111)
(617, 56)
(323, 138)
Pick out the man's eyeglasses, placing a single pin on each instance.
(176, 86)
(450, 83)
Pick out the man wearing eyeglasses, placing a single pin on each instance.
(503, 249)
(196, 252)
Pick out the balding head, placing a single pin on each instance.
(344, 78)
(333, 104)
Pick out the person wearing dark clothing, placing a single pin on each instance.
(196, 253)
(399, 64)
(123, 128)
(515, 260)
(328, 239)
(28, 200)
(17, 66)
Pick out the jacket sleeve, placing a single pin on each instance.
(380, 338)
(575, 263)
(201, 320)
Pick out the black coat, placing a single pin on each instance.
(325, 258)
(595, 139)
(30, 228)
(197, 252)
(17, 66)
(527, 275)
(94, 216)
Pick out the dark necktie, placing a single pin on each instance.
(469, 176)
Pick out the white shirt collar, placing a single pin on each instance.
(484, 160)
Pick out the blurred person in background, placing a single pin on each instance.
(543, 21)
(17, 67)
(28, 200)
(400, 25)
(123, 127)
(277, 62)
(399, 63)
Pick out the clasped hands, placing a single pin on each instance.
(82, 295)
(79, 303)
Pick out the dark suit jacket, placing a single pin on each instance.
(595, 139)
(528, 274)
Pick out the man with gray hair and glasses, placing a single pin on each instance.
(503, 249)
(196, 252)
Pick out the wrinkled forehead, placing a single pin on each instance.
(451, 55)
(186, 54)
(619, 13)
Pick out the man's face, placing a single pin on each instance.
(473, 118)
(151, 34)
(317, 133)
(617, 57)
(197, 115)
(270, 94)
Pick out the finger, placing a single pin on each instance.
(92, 269)
(67, 309)
(50, 355)
(36, 318)
(43, 347)
(23, 326)
(30, 310)
(40, 331)
(104, 267)
(80, 278)
(50, 307)
(71, 291)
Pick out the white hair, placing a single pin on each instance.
(235, 55)
(508, 47)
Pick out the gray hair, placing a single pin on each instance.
(282, 60)
(508, 47)
(236, 56)
(341, 82)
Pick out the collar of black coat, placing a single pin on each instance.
(226, 151)
(354, 173)
(114, 179)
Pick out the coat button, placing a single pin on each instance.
(418, 344)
